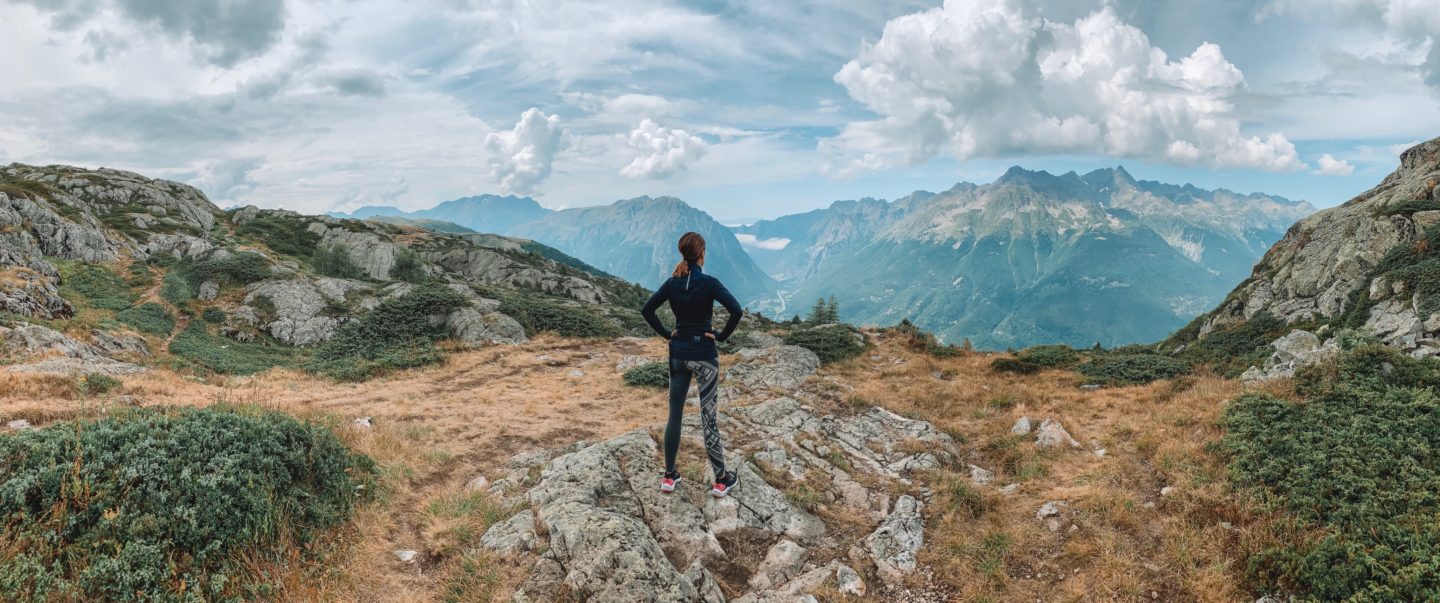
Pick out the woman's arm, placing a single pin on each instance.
(651, 306)
(723, 296)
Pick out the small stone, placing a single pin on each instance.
(1010, 489)
(1053, 435)
(1050, 509)
(477, 484)
(577, 373)
(364, 423)
(19, 425)
(1168, 491)
(850, 582)
(406, 556)
(543, 358)
(981, 476)
(1089, 387)
(1150, 504)
(1021, 427)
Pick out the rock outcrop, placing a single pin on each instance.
(608, 534)
(1364, 263)
(1298, 349)
(37, 349)
(783, 367)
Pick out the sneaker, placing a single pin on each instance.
(725, 484)
(669, 481)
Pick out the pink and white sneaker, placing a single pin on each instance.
(669, 481)
(725, 484)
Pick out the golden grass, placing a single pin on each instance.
(438, 427)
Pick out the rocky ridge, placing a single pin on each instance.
(597, 528)
(1368, 263)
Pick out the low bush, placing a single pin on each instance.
(95, 285)
(1354, 472)
(213, 315)
(568, 319)
(831, 343)
(408, 267)
(1050, 356)
(175, 289)
(282, 234)
(651, 374)
(148, 317)
(1132, 368)
(335, 261)
(235, 269)
(925, 341)
(395, 335)
(1008, 364)
(1232, 349)
(197, 345)
(166, 505)
(98, 383)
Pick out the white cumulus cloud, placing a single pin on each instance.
(1411, 22)
(662, 151)
(520, 159)
(1330, 166)
(751, 241)
(976, 78)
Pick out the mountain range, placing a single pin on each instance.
(1029, 258)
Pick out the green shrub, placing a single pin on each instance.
(148, 317)
(166, 505)
(175, 289)
(235, 269)
(1356, 474)
(831, 343)
(335, 261)
(99, 383)
(213, 315)
(925, 341)
(1008, 364)
(408, 267)
(199, 346)
(1050, 356)
(289, 236)
(567, 319)
(395, 335)
(1232, 349)
(651, 374)
(1132, 368)
(95, 285)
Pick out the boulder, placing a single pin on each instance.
(209, 290)
(981, 476)
(781, 367)
(1053, 435)
(112, 345)
(513, 535)
(894, 544)
(1298, 349)
(473, 326)
(1021, 426)
(301, 316)
(782, 562)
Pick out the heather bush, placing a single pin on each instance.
(831, 343)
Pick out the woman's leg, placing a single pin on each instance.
(679, 389)
(707, 373)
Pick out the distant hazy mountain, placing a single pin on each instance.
(635, 240)
(484, 213)
(1031, 257)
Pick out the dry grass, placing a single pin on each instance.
(436, 428)
(1120, 539)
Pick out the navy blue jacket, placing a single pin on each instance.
(692, 298)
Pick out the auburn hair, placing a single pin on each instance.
(692, 246)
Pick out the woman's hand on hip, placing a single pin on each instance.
(710, 335)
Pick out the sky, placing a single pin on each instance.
(744, 109)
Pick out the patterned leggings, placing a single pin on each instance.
(707, 374)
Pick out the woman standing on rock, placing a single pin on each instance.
(692, 295)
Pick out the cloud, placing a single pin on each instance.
(1330, 166)
(1414, 23)
(987, 79)
(223, 32)
(520, 159)
(227, 181)
(663, 151)
(357, 82)
(750, 241)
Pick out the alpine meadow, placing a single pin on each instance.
(663, 301)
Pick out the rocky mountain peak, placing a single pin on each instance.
(1369, 264)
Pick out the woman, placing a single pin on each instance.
(692, 295)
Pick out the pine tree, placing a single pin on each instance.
(818, 312)
(832, 310)
(966, 346)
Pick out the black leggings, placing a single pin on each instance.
(707, 373)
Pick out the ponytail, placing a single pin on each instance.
(692, 248)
